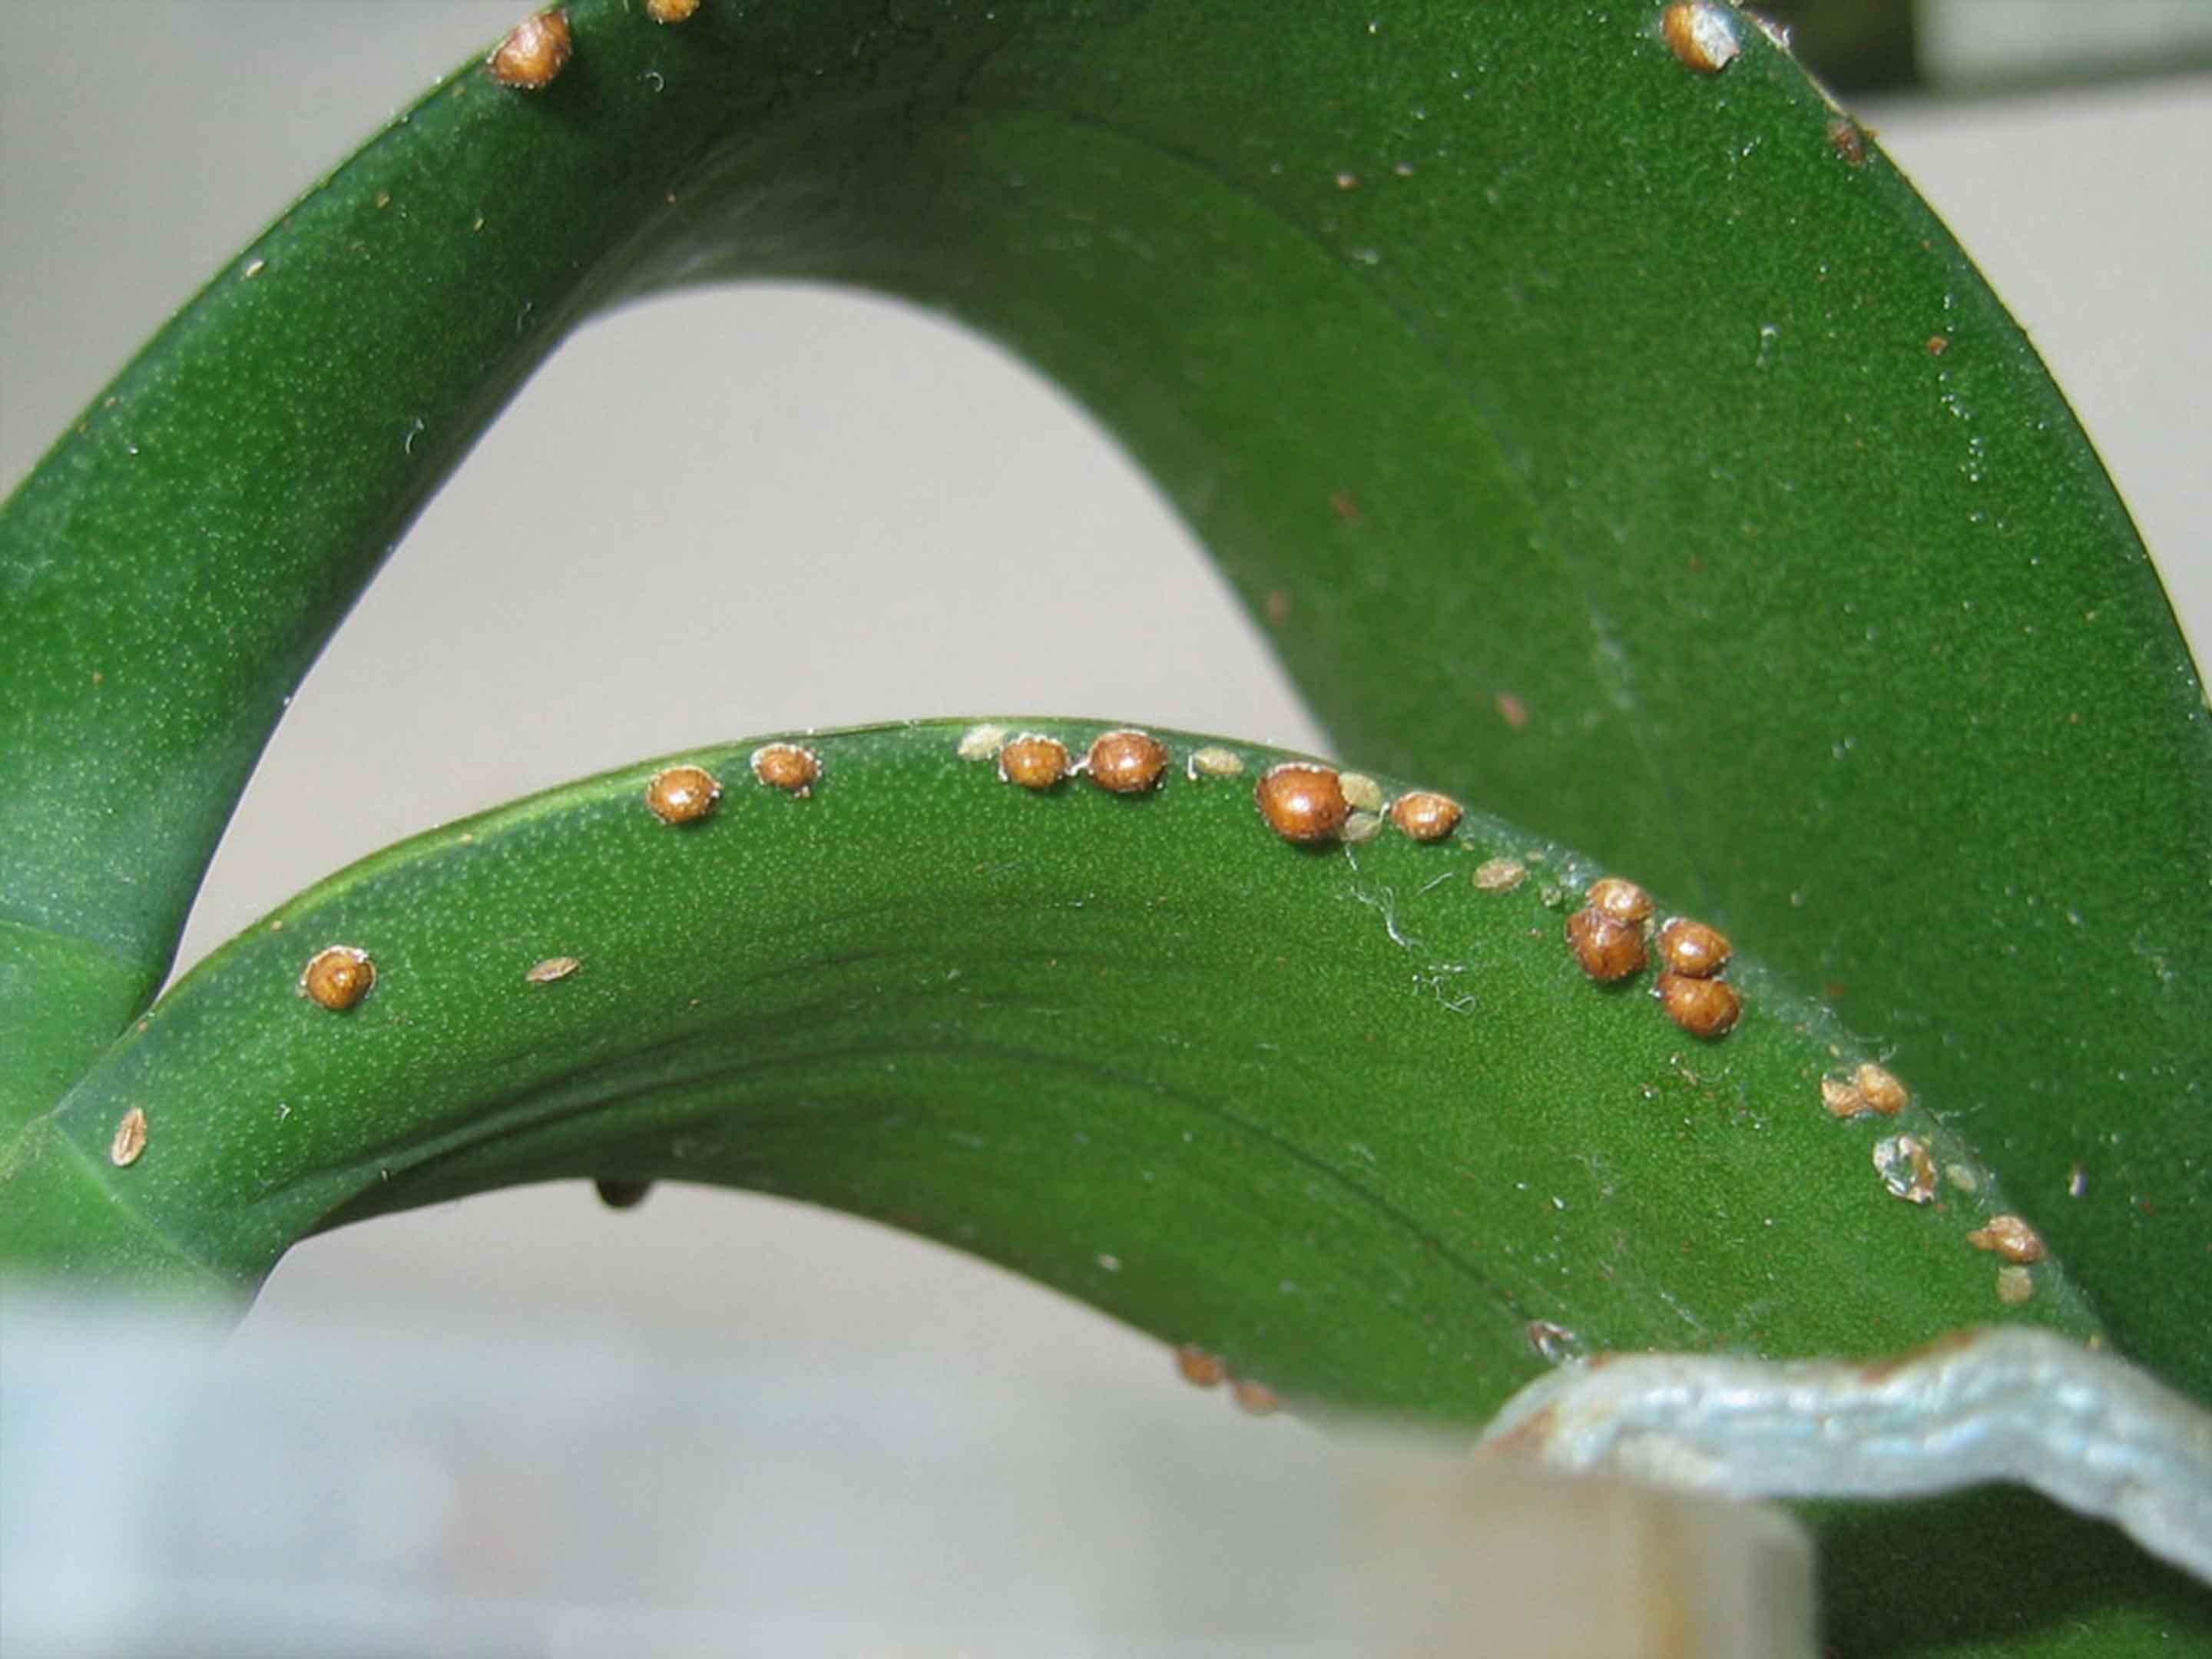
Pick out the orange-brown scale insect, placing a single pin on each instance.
(1703, 1007)
(1034, 761)
(535, 51)
(1619, 898)
(786, 766)
(1302, 802)
(2010, 1237)
(1701, 35)
(1199, 1369)
(337, 978)
(1607, 948)
(682, 794)
(1424, 815)
(1126, 761)
(1691, 947)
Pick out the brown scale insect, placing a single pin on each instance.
(535, 51)
(1878, 1086)
(1034, 761)
(1607, 948)
(786, 766)
(1619, 898)
(669, 11)
(682, 794)
(1701, 36)
(337, 978)
(1199, 1369)
(1126, 761)
(1257, 1398)
(1692, 948)
(1424, 815)
(2010, 1237)
(1302, 802)
(1703, 1007)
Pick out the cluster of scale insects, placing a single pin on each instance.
(1306, 804)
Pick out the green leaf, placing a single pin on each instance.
(1342, 1109)
(1512, 368)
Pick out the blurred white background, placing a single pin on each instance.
(769, 447)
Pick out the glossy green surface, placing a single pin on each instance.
(1336, 1110)
(1603, 442)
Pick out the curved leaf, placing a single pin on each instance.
(1339, 1108)
(1618, 388)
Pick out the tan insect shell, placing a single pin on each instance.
(1126, 762)
(1703, 1007)
(1607, 948)
(1691, 947)
(1034, 761)
(1619, 898)
(682, 794)
(1301, 802)
(786, 766)
(1424, 815)
(536, 50)
(337, 978)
